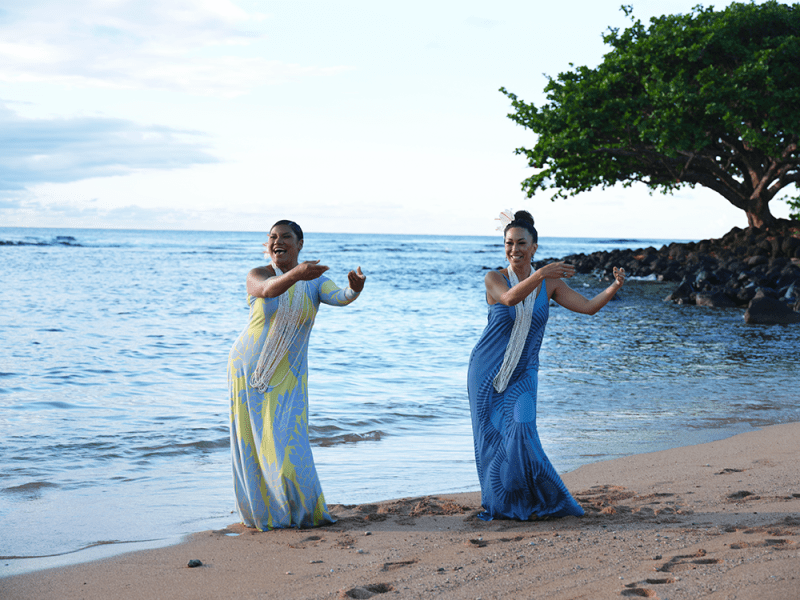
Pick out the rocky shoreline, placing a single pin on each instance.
(748, 268)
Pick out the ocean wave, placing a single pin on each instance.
(618, 241)
(348, 438)
(201, 446)
(36, 406)
(59, 240)
(29, 489)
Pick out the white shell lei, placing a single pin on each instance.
(519, 333)
(283, 332)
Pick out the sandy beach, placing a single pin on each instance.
(716, 520)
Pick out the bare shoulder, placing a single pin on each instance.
(262, 272)
(495, 279)
(496, 275)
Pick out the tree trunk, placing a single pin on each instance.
(758, 214)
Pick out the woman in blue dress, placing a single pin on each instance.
(274, 478)
(517, 479)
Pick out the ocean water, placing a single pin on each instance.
(113, 398)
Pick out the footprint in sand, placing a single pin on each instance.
(345, 541)
(367, 591)
(602, 498)
(639, 592)
(635, 589)
(482, 543)
(391, 566)
(778, 543)
(685, 562)
(742, 494)
(312, 540)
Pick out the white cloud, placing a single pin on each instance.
(178, 45)
(61, 150)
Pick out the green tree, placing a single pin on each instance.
(794, 206)
(709, 98)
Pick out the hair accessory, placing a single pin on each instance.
(505, 218)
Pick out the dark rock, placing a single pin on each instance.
(714, 299)
(677, 252)
(766, 292)
(778, 262)
(733, 265)
(705, 277)
(764, 310)
(757, 260)
(740, 250)
(763, 243)
(194, 563)
(774, 277)
(659, 264)
(683, 294)
(742, 296)
(671, 273)
(792, 291)
(789, 246)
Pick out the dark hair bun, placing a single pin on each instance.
(523, 215)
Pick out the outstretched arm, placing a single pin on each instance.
(572, 300)
(331, 294)
(263, 283)
(498, 291)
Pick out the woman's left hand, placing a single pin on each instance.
(619, 276)
(356, 280)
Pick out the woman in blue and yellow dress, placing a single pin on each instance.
(517, 479)
(274, 477)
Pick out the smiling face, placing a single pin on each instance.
(283, 247)
(520, 250)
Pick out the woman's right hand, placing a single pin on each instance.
(557, 270)
(308, 270)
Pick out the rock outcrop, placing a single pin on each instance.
(764, 310)
(726, 272)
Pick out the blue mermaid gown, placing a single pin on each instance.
(274, 477)
(517, 479)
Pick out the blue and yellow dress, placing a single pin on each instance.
(274, 477)
(517, 479)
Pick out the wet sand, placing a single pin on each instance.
(717, 520)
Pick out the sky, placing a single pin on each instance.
(345, 116)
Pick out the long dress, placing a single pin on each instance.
(274, 477)
(517, 479)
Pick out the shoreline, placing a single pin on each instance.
(718, 519)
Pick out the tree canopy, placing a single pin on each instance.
(709, 98)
